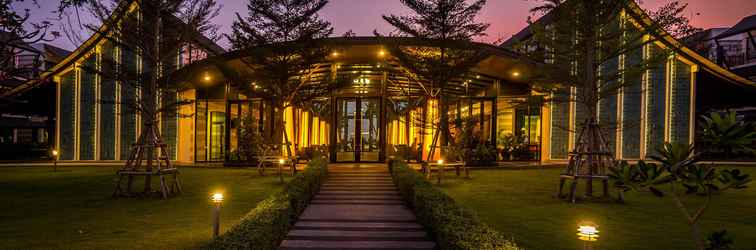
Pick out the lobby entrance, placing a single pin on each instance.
(358, 129)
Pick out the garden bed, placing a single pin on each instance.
(452, 226)
(265, 226)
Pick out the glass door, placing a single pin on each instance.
(346, 128)
(358, 129)
(369, 129)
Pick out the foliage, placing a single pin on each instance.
(17, 33)
(725, 133)
(278, 40)
(265, 226)
(513, 146)
(719, 240)
(161, 30)
(681, 174)
(453, 226)
(447, 28)
(581, 44)
(469, 144)
(251, 140)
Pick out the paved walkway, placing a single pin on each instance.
(357, 208)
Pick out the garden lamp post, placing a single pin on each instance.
(281, 163)
(55, 160)
(217, 200)
(588, 234)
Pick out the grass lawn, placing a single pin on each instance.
(72, 208)
(520, 203)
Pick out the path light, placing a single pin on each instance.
(335, 54)
(207, 77)
(381, 53)
(55, 160)
(281, 161)
(440, 161)
(217, 200)
(516, 73)
(588, 234)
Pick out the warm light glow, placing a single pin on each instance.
(440, 161)
(217, 197)
(281, 161)
(515, 73)
(381, 53)
(335, 54)
(587, 233)
(207, 78)
(55, 152)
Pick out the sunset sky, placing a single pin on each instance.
(507, 17)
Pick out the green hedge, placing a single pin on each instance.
(268, 223)
(453, 227)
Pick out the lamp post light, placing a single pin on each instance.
(281, 163)
(588, 234)
(55, 160)
(217, 200)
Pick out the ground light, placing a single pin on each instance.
(440, 161)
(217, 200)
(55, 160)
(515, 74)
(588, 234)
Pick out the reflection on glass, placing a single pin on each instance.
(369, 130)
(345, 130)
(217, 129)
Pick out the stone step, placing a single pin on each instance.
(358, 197)
(318, 244)
(358, 213)
(341, 192)
(345, 235)
(357, 202)
(359, 226)
(358, 188)
(358, 182)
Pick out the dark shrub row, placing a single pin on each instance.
(453, 226)
(268, 223)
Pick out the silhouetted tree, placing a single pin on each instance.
(445, 30)
(279, 37)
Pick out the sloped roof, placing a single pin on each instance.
(746, 24)
(90, 44)
(644, 19)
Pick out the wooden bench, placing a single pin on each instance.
(427, 168)
(276, 161)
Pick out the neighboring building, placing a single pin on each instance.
(27, 122)
(371, 109)
(733, 48)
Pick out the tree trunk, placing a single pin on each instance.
(150, 102)
(590, 101)
(443, 109)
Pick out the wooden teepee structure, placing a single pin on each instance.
(149, 157)
(589, 161)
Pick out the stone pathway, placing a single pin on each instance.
(357, 208)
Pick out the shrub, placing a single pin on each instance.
(266, 225)
(453, 226)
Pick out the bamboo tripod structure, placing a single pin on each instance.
(148, 157)
(589, 161)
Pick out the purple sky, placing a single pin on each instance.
(507, 17)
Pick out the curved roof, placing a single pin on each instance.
(91, 43)
(363, 52)
(644, 19)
